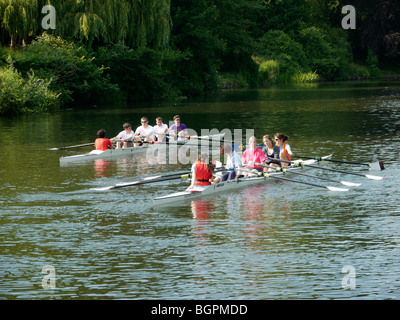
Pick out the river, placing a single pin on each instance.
(276, 240)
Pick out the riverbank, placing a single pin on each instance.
(52, 73)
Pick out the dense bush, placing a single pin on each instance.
(30, 94)
(281, 57)
(142, 74)
(328, 53)
(72, 70)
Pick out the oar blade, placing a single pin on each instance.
(126, 184)
(337, 189)
(350, 184)
(374, 177)
(102, 188)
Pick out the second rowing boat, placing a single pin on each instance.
(113, 153)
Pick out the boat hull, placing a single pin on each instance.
(114, 153)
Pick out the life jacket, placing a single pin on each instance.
(286, 152)
(203, 175)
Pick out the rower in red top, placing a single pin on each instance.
(102, 143)
(201, 172)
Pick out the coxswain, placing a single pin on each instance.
(102, 143)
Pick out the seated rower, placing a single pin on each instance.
(202, 172)
(144, 132)
(102, 143)
(285, 152)
(271, 152)
(160, 129)
(178, 130)
(124, 136)
(251, 156)
(233, 162)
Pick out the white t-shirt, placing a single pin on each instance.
(160, 129)
(125, 136)
(145, 131)
(233, 160)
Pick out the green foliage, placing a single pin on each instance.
(372, 62)
(31, 94)
(129, 49)
(70, 67)
(142, 74)
(18, 18)
(196, 33)
(278, 46)
(328, 53)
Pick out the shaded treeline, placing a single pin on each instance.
(163, 49)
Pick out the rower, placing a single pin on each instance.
(251, 156)
(178, 129)
(126, 134)
(144, 132)
(202, 172)
(160, 129)
(233, 162)
(285, 152)
(271, 151)
(102, 143)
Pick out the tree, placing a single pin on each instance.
(19, 19)
(378, 28)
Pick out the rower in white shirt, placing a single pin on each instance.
(160, 129)
(144, 132)
(126, 134)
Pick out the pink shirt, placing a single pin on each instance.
(253, 156)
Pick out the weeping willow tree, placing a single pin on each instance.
(19, 19)
(135, 23)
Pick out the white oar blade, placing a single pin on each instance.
(374, 177)
(127, 183)
(337, 189)
(350, 184)
(102, 189)
(150, 178)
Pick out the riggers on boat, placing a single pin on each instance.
(212, 189)
(214, 141)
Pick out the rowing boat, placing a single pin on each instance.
(114, 153)
(226, 185)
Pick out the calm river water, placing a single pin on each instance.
(270, 241)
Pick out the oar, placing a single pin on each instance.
(145, 180)
(77, 146)
(140, 182)
(373, 166)
(301, 163)
(219, 169)
(297, 181)
(284, 170)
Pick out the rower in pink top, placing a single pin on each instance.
(253, 154)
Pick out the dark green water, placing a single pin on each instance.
(269, 241)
